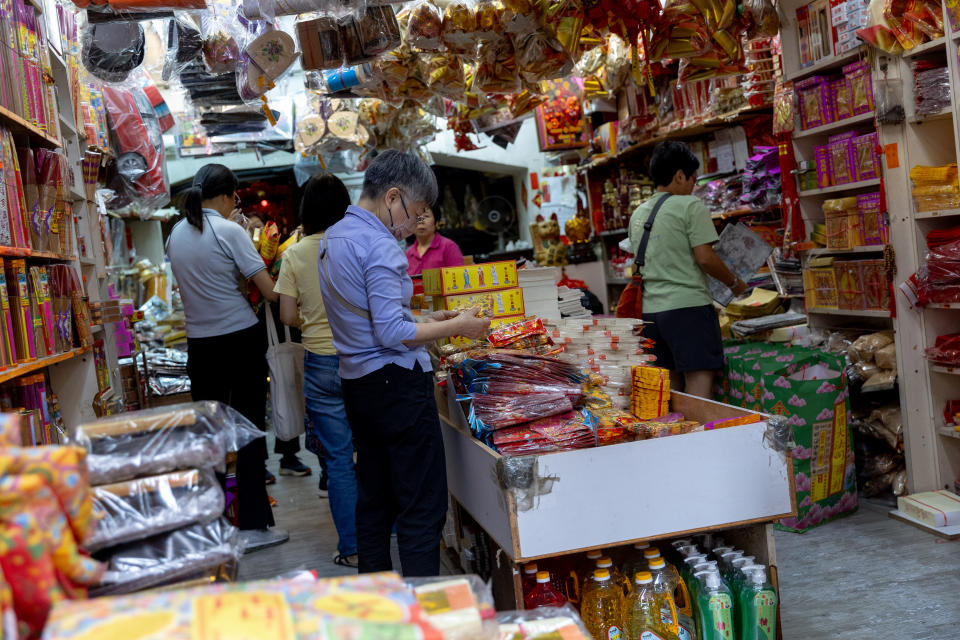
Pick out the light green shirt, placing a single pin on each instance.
(672, 279)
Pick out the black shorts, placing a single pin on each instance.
(686, 339)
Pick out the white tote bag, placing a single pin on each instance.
(285, 360)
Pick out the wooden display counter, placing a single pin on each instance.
(543, 506)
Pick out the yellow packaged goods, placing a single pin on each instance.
(506, 302)
(496, 322)
(373, 606)
(650, 392)
(843, 223)
(468, 278)
(935, 187)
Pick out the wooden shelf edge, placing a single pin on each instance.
(863, 313)
(839, 188)
(833, 126)
(15, 371)
(23, 252)
(10, 119)
(826, 64)
(926, 47)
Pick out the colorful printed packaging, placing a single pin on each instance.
(840, 92)
(469, 278)
(815, 102)
(866, 159)
(822, 158)
(506, 302)
(849, 284)
(860, 83)
(873, 223)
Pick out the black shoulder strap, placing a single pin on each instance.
(647, 226)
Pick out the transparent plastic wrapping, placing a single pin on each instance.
(163, 439)
(137, 509)
(541, 57)
(111, 50)
(184, 45)
(890, 101)
(168, 557)
(784, 115)
(321, 46)
(863, 348)
(368, 34)
(945, 350)
(424, 27)
(497, 70)
(931, 87)
(460, 607)
(542, 623)
(221, 52)
(267, 54)
(138, 142)
(460, 27)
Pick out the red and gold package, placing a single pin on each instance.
(508, 334)
(425, 28)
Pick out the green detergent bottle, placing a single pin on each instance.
(758, 609)
(715, 608)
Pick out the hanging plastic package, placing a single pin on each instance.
(184, 45)
(138, 143)
(320, 44)
(111, 50)
(263, 61)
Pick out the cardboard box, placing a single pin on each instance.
(488, 276)
(935, 508)
(505, 302)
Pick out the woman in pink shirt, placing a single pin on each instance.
(431, 250)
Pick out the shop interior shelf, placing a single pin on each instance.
(948, 432)
(938, 368)
(944, 213)
(827, 64)
(28, 367)
(850, 312)
(18, 125)
(943, 114)
(22, 252)
(878, 248)
(927, 47)
(943, 305)
(833, 126)
(863, 184)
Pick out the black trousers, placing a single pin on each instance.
(232, 368)
(401, 471)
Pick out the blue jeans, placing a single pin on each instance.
(324, 403)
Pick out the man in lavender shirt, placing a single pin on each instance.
(387, 384)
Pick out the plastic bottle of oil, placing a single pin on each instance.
(676, 610)
(634, 560)
(606, 563)
(601, 607)
(529, 578)
(581, 574)
(544, 594)
(641, 612)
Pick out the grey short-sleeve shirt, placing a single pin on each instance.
(209, 267)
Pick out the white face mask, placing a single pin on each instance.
(406, 226)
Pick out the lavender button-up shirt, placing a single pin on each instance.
(368, 268)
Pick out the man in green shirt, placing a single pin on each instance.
(679, 256)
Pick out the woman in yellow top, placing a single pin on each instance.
(325, 199)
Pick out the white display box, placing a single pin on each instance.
(624, 493)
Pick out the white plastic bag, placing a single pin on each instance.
(285, 360)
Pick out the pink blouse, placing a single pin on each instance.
(442, 252)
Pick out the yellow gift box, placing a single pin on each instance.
(497, 304)
(470, 278)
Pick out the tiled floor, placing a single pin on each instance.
(864, 576)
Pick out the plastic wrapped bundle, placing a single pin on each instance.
(168, 557)
(153, 441)
(935, 187)
(931, 87)
(138, 509)
(460, 607)
(542, 622)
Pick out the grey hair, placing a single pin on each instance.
(405, 171)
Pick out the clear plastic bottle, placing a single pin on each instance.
(641, 612)
(680, 616)
(714, 608)
(758, 610)
(607, 563)
(585, 569)
(634, 560)
(529, 577)
(734, 575)
(544, 594)
(601, 607)
(663, 586)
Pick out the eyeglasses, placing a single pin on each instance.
(420, 216)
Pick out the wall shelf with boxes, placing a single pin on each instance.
(923, 200)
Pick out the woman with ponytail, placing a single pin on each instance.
(211, 259)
